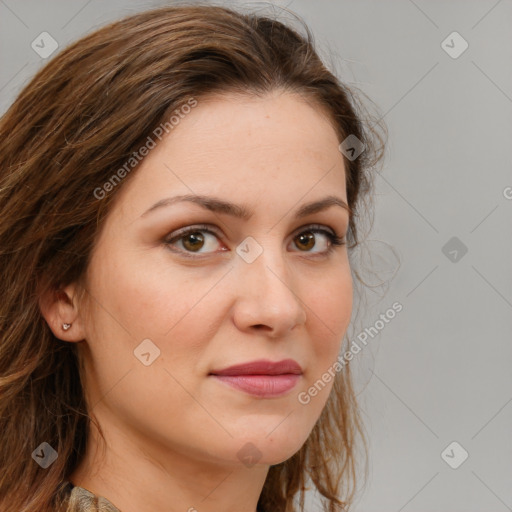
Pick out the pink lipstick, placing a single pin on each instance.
(261, 378)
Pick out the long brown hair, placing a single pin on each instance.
(77, 122)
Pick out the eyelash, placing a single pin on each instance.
(334, 239)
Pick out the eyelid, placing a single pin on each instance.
(193, 227)
(305, 227)
(213, 229)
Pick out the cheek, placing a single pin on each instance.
(176, 308)
(330, 310)
(329, 314)
(148, 297)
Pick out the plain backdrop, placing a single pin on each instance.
(434, 383)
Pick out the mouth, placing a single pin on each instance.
(261, 378)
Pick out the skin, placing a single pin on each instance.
(173, 431)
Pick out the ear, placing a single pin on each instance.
(60, 307)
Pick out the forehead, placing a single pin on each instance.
(235, 124)
(276, 147)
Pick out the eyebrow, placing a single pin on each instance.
(217, 205)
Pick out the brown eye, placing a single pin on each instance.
(193, 241)
(306, 240)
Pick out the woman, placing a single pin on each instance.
(179, 195)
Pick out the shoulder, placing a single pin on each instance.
(83, 500)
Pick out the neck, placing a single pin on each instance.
(137, 475)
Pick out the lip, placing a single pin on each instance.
(262, 378)
(262, 367)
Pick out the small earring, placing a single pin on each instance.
(66, 326)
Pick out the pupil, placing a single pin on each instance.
(195, 239)
(309, 237)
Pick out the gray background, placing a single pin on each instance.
(440, 370)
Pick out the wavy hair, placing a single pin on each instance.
(79, 119)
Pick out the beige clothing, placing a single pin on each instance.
(82, 500)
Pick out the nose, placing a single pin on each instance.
(267, 299)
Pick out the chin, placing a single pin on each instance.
(270, 449)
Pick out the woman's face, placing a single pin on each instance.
(169, 308)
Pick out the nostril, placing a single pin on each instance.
(261, 326)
